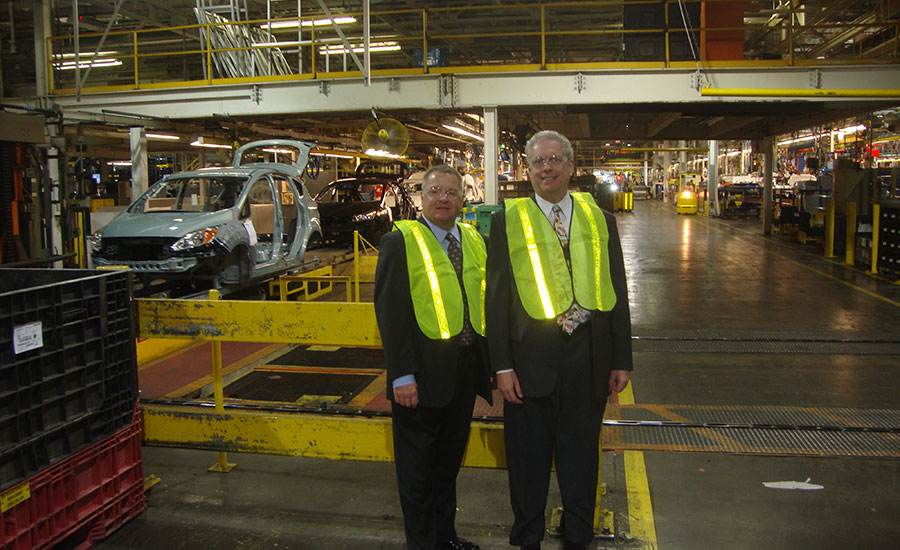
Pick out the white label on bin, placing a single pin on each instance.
(27, 337)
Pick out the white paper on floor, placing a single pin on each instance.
(801, 485)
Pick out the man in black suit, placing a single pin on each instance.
(559, 334)
(430, 309)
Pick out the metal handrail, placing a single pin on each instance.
(428, 17)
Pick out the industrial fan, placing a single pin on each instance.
(385, 137)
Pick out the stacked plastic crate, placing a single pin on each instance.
(70, 444)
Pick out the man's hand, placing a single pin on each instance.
(508, 384)
(618, 379)
(407, 395)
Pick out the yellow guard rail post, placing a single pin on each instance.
(850, 246)
(876, 213)
(222, 465)
(829, 229)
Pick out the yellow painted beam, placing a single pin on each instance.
(322, 323)
(299, 434)
(799, 92)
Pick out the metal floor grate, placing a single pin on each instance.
(792, 431)
(711, 341)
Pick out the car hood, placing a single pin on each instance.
(162, 224)
(346, 210)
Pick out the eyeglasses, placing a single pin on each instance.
(436, 192)
(553, 161)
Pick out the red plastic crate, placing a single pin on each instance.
(80, 500)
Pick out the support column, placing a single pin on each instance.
(55, 245)
(712, 180)
(139, 175)
(491, 154)
(768, 148)
(41, 32)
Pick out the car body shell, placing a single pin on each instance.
(262, 228)
(368, 203)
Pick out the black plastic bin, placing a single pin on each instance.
(80, 385)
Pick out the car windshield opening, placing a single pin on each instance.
(340, 192)
(194, 194)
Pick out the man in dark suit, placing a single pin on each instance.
(429, 304)
(559, 334)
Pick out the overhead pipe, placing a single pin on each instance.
(799, 92)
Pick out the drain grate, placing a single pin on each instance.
(298, 387)
(792, 431)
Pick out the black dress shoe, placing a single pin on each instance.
(567, 545)
(531, 546)
(458, 544)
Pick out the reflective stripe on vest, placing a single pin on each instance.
(543, 280)
(474, 261)
(434, 286)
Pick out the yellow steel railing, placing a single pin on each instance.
(538, 36)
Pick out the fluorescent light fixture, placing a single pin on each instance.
(333, 155)
(840, 133)
(83, 54)
(380, 153)
(200, 142)
(284, 151)
(337, 49)
(98, 63)
(119, 163)
(462, 131)
(308, 23)
(163, 136)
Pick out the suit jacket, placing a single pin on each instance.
(530, 346)
(406, 349)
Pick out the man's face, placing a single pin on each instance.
(549, 171)
(441, 199)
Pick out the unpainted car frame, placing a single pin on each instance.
(225, 225)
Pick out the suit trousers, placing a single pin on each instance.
(566, 423)
(429, 443)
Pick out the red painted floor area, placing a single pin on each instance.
(164, 376)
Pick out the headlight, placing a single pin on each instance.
(96, 242)
(614, 187)
(687, 194)
(368, 216)
(195, 239)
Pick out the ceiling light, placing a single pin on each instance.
(308, 23)
(389, 46)
(119, 163)
(284, 151)
(202, 142)
(97, 63)
(462, 131)
(82, 54)
(380, 153)
(333, 155)
(163, 136)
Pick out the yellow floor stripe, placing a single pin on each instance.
(640, 510)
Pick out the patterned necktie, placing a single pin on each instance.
(454, 252)
(570, 319)
(559, 226)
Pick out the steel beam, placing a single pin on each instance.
(476, 89)
(322, 323)
(298, 434)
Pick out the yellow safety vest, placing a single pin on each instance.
(543, 279)
(434, 287)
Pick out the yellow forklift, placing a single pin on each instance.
(687, 202)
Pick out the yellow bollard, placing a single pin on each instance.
(222, 465)
(829, 229)
(876, 213)
(850, 246)
(356, 261)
